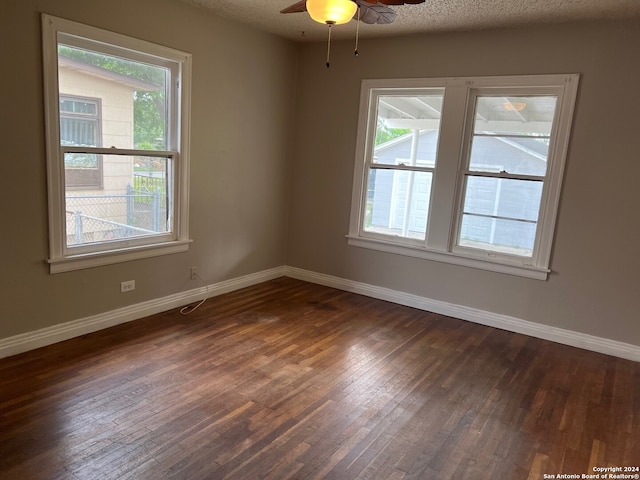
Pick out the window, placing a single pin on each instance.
(80, 126)
(403, 162)
(463, 170)
(117, 112)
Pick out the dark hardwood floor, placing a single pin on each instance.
(292, 380)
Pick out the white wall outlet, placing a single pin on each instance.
(194, 273)
(128, 286)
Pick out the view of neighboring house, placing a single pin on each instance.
(399, 200)
(97, 109)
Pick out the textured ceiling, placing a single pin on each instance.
(431, 16)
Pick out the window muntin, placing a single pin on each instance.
(121, 111)
(403, 159)
(495, 180)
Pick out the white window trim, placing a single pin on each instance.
(446, 192)
(62, 259)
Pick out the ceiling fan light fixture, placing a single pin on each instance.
(514, 106)
(332, 12)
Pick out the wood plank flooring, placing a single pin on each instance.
(289, 380)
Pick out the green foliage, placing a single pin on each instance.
(148, 106)
(148, 120)
(146, 187)
(384, 133)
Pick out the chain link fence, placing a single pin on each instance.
(139, 211)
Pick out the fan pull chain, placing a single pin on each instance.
(355, 52)
(329, 44)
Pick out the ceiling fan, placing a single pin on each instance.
(370, 11)
(336, 12)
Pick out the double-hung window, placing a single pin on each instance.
(117, 119)
(463, 170)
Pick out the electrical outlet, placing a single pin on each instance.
(128, 286)
(194, 274)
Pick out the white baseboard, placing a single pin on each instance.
(57, 333)
(504, 322)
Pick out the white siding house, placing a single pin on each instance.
(388, 190)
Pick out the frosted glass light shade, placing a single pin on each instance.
(331, 11)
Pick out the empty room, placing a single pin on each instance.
(340, 239)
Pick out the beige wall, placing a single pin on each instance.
(116, 102)
(241, 122)
(594, 287)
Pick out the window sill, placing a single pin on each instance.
(89, 260)
(527, 271)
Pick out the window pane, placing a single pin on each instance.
(78, 106)
(519, 156)
(500, 214)
(132, 95)
(528, 115)
(407, 129)
(511, 134)
(81, 161)
(132, 202)
(80, 126)
(78, 131)
(398, 203)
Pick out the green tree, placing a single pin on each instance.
(384, 133)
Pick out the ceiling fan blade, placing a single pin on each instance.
(374, 13)
(398, 2)
(297, 7)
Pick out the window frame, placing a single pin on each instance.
(447, 195)
(370, 164)
(62, 257)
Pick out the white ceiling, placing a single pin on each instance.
(431, 16)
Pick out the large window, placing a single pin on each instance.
(117, 151)
(463, 170)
